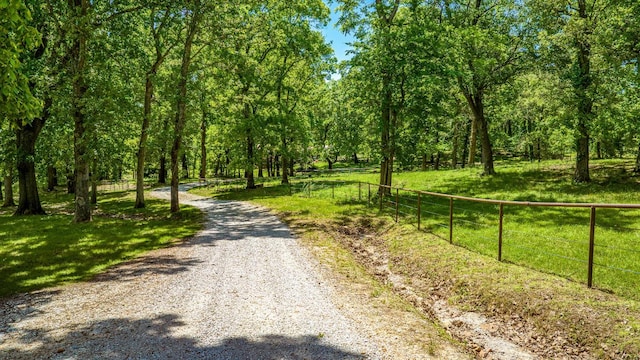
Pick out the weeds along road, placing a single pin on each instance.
(241, 289)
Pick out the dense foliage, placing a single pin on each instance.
(100, 90)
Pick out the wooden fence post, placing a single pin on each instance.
(397, 203)
(500, 233)
(592, 235)
(419, 209)
(451, 220)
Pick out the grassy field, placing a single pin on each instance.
(43, 251)
(554, 240)
(543, 241)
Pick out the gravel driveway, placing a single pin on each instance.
(241, 289)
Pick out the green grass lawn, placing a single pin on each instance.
(43, 251)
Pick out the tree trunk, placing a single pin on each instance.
(454, 150)
(94, 182)
(217, 167)
(292, 171)
(355, 159)
(52, 178)
(487, 151)
(175, 181)
(181, 114)
(599, 150)
(476, 104)
(285, 173)
(162, 173)
(185, 166)
(270, 165)
(26, 136)
(539, 151)
(285, 150)
(473, 142)
(251, 184)
(8, 190)
(636, 169)
(582, 83)
(582, 155)
(465, 143)
(277, 161)
(71, 182)
(329, 163)
(386, 166)
(144, 134)
(80, 136)
(203, 146)
(423, 166)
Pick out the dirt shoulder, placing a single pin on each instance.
(400, 330)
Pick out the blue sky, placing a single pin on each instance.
(337, 39)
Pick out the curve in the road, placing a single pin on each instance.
(241, 289)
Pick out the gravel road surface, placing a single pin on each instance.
(241, 289)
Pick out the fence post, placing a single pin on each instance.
(451, 220)
(592, 235)
(359, 191)
(397, 203)
(369, 195)
(381, 197)
(332, 190)
(419, 209)
(500, 233)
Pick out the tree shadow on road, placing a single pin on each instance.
(123, 338)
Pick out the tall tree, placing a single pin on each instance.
(380, 18)
(27, 132)
(193, 15)
(490, 42)
(572, 35)
(159, 23)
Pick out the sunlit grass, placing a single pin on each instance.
(42, 251)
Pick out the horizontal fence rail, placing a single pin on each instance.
(501, 204)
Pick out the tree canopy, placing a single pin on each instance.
(102, 90)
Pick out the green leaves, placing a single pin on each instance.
(16, 37)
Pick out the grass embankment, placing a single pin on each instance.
(554, 240)
(43, 251)
(547, 313)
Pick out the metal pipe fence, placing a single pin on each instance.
(477, 218)
(105, 186)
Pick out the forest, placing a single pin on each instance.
(159, 90)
